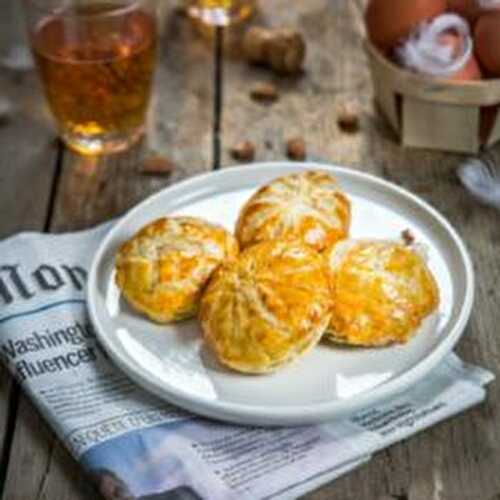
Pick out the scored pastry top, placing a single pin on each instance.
(266, 307)
(163, 268)
(308, 207)
(382, 291)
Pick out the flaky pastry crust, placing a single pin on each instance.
(382, 291)
(266, 307)
(309, 207)
(162, 270)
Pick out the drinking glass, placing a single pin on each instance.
(96, 61)
(220, 12)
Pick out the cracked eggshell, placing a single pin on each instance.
(471, 70)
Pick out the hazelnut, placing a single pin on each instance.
(296, 149)
(264, 92)
(157, 165)
(348, 117)
(243, 151)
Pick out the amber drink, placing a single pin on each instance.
(220, 12)
(96, 62)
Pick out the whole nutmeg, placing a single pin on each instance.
(287, 51)
(255, 44)
(282, 49)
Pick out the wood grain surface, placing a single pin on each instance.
(93, 190)
(456, 460)
(28, 157)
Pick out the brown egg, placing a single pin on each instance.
(390, 21)
(487, 42)
(466, 8)
(471, 70)
(470, 9)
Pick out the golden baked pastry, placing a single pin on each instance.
(309, 207)
(266, 307)
(382, 292)
(162, 270)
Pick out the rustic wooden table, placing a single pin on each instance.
(44, 187)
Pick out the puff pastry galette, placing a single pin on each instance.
(267, 307)
(162, 270)
(308, 207)
(382, 292)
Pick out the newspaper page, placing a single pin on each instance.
(135, 446)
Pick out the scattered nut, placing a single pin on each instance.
(243, 151)
(408, 237)
(286, 51)
(255, 44)
(157, 165)
(296, 149)
(348, 117)
(264, 92)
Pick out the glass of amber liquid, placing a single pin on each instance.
(96, 61)
(220, 12)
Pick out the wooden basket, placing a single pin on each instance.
(432, 114)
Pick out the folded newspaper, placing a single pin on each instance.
(136, 446)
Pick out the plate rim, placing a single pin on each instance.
(293, 414)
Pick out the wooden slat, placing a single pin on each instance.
(92, 191)
(28, 149)
(27, 159)
(458, 459)
(335, 71)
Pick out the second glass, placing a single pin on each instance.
(96, 60)
(221, 12)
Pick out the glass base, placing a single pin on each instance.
(101, 144)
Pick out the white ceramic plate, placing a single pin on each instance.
(329, 382)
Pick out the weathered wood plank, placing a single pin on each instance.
(28, 149)
(27, 160)
(94, 190)
(457, 459)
